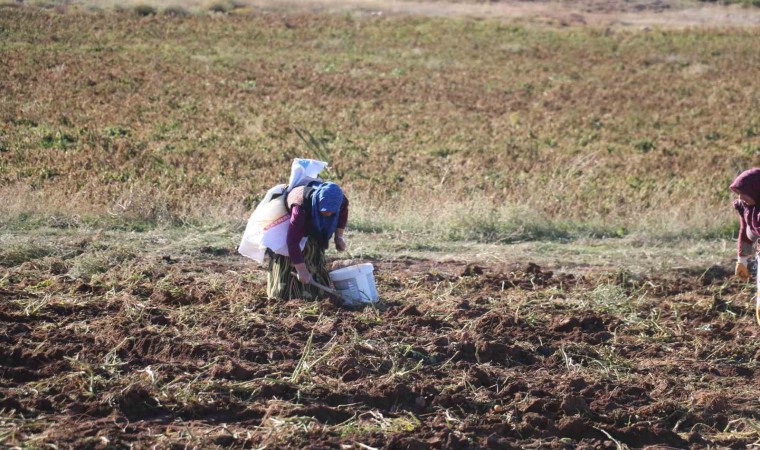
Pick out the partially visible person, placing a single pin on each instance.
(747, 188)
(318, 212)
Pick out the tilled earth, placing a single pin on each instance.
(177, 353)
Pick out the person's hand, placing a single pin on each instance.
(340, 244)
(303, 273)
(741, 272)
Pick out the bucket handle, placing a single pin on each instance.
(326, 289)
(321, 286)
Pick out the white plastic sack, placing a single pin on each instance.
(267, 227)
(304, 171)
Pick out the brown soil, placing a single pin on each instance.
(455, 356)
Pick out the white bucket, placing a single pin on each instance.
(356, 284)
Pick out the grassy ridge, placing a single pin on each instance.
(471, 129)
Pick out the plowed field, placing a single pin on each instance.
(177, 351)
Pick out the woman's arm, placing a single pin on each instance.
(743, 245)
(296, 232)
(340, 243)
(343, 217)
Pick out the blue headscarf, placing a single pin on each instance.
(325, 197)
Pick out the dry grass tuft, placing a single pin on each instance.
(145, 10)
(176, 11)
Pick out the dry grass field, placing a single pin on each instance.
(505, 130)
(544, 199)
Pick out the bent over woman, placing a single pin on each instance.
(317, 212)
(747, 187)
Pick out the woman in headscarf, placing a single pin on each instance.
(318, 212)
(747, 188)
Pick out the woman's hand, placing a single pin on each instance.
(340, 243)
(741, 272)
(303, 273)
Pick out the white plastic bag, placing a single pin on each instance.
(267, 227)
(304, 171)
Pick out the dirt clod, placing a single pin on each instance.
(574, 404)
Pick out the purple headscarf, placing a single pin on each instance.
(748, 183)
